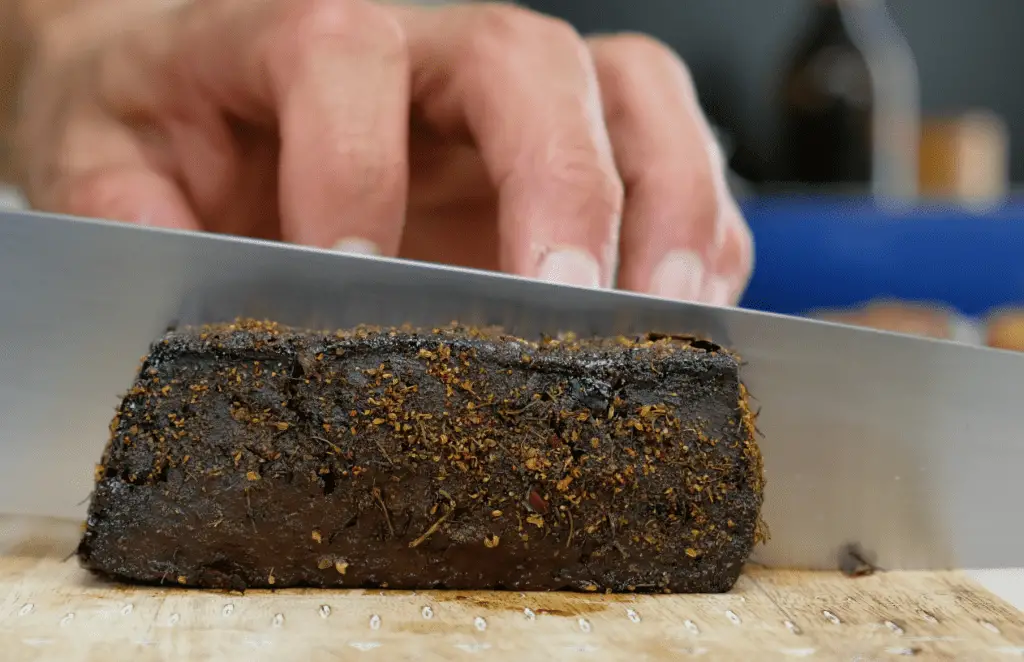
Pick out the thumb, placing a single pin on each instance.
(102, 171)
(130, 194)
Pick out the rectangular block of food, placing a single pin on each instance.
(253, 456)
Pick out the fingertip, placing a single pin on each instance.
(718, 291)
(356, 246)
(680, 275)
(733, 264)
(570, 266)
(153, 216)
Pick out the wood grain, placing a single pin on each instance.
(52, 610)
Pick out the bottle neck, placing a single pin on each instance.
(825, 25)
(829, 14)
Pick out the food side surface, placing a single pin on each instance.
(254, 455)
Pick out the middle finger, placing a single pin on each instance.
(332, 76)
(678, 218)
(523, 87)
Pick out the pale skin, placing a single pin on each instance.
(480, 135)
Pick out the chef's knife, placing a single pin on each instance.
(910, 448)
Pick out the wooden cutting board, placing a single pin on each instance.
(52, 610)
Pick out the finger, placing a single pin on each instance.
(79, 160)
(189, 135)
(674, 227)
(334, 74)
(732, 263)
(134, 195)
(102, 171)
(523, 86)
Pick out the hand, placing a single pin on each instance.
(480, 135)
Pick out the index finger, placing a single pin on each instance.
(524, 87)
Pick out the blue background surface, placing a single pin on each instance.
(833, 252)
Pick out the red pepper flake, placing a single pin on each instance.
(537, 502)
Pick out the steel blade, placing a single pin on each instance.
(909, 447)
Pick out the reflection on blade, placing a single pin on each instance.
(906, 447)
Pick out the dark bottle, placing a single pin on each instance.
(827, 101)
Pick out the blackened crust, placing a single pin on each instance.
(254, 455)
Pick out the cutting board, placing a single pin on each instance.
(52, 610)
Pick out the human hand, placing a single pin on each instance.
(481, 135)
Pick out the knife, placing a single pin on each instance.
(909, 448)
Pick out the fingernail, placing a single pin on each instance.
(357, 245)
(718, 291)
(679, 276)
(570, 266)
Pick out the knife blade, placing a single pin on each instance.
(908, 448)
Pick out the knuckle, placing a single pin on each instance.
(591, 190)
(498, 27)
(552, 30)
(637, 47)
(351, 23)
(635, 51)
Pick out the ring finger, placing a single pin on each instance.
(682, 236)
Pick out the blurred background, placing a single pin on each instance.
(876, 146)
